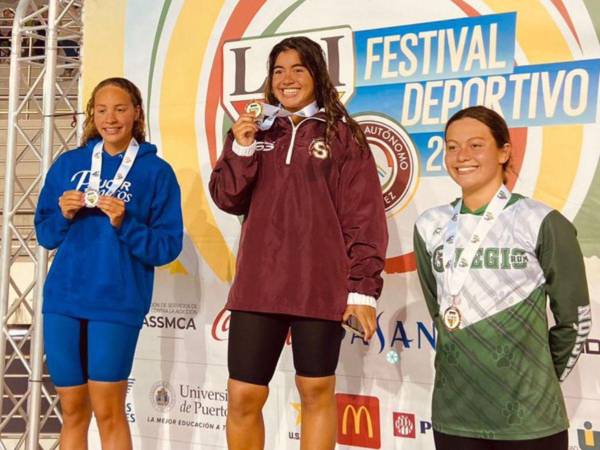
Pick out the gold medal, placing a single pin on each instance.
(91, 198)
(254, 108)
(452, 318)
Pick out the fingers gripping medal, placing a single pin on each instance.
(256, 109)
(91, 198)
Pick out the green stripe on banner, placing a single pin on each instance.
(157, 36)
(586, 220)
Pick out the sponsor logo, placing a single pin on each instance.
(176, 323)
(129, 411)
(587, 438)
(162, 396)
(404, 425)
(295, 435)
(396, 159)
(220, 326)
(404, 335)
(358, 421)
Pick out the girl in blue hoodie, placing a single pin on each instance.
(112, 209)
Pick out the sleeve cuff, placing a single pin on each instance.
(354, 298)
(240, 150)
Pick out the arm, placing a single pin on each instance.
(159, 241)
(233, 177)
(562, 262)
(51, 226)
(363, 222)
(426, 276)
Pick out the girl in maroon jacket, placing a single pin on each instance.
(312, 246)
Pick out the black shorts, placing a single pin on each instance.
(256, 341)
(558, 441)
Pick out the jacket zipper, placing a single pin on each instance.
(290, 150)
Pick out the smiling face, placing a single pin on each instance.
(114, 117)
(292, 84)
(473, 158)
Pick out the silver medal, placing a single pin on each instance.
(91, 198)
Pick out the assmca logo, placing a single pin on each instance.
(358, 421)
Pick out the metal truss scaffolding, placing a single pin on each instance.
(42, 121)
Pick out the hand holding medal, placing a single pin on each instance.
(244, 129)
(70, 202)
(113, 208)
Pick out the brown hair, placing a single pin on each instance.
(313, 58)
(139, 126)
(494, 121)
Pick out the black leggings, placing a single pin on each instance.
(559, 441)
(256, 341)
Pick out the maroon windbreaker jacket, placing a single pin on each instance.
(315, 226)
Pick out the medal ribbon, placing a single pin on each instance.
(455, 274)
(272, 112)
(122, 171)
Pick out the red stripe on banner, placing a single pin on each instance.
(565, 15)
(468, 9)
(236, 25)
(401, 264)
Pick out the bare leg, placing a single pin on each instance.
(319, 412)
(245, 426)
(76, 413)
(108, 403)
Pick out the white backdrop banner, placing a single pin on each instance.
(402, 68)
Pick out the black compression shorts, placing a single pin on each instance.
(256, 341)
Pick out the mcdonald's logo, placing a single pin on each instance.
(358, 421)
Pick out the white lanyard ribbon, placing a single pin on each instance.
(122, 171)
(272, 112)
(455, 274)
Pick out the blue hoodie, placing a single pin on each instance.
(101, 272)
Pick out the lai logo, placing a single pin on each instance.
(358, 421)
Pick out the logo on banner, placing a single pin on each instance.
(588, 439)
(296, 407)
(591, 347)
(244, 74)
(404, 335)
(162, 396)
(358, 421)
(395, 156)
(129, 411)
(220, 326)
(404, 425)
